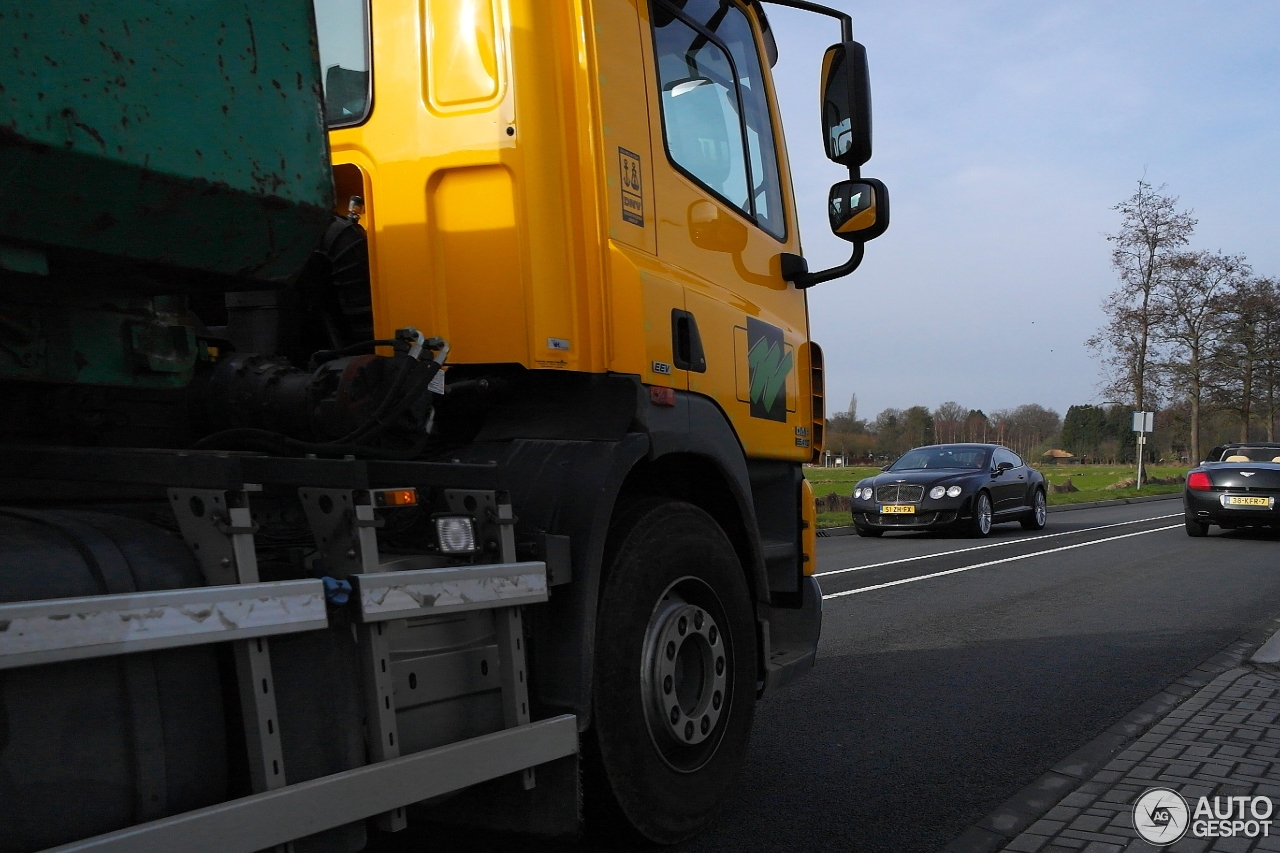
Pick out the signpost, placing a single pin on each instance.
(1143, 423)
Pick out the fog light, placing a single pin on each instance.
(954, 492)
(456, 534)
(937, 492)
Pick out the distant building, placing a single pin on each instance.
(1059, 457)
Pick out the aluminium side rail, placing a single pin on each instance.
(212, 508)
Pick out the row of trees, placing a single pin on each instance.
(1027, 429)
(1193, 330)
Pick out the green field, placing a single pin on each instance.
(1089, 479)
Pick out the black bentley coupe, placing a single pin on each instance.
(965, 486)
(1236, 486)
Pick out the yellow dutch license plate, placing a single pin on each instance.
(1237, 500)
(893, 509)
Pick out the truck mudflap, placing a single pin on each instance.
(377, 599)
(791, 637)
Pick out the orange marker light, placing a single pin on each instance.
(395, 497)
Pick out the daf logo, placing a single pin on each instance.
(1247, 473)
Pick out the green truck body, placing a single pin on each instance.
(191, 135)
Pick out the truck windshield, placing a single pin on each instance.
(714, 101)
(343, 28)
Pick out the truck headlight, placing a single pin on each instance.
(954, 492)
(937, 492)
(456, 534)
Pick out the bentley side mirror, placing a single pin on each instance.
(1004, 466)
(858, 210)
(846, 104)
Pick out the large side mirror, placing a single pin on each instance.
(846, 104)
(858, 210)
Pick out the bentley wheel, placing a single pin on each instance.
(675, 670)
(1039, 515)
(1195, 528)
(980, 524)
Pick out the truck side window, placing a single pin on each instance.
(714, 105)
(343, 30)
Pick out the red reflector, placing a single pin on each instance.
(1199, 481)
(660, 396)
(396, 497)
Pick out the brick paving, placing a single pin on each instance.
(1224, 740)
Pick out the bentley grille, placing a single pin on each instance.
(896, 494)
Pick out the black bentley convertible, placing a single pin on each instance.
(1236, 486)
(964, 486)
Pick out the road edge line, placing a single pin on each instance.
(1002, 560)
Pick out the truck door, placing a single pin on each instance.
(722, 222)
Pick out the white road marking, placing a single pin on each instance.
(990, 545)
(997, 562)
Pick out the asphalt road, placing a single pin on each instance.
(952, 672)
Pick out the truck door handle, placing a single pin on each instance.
(686, 343)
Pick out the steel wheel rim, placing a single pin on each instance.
(686, 668)
(1041, 509)
(984, 514)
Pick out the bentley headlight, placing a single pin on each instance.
(954, 492)
(937, 492)
(862, 494)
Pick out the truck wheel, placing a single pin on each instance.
(675, 669)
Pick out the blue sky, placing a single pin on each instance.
(1005, 132)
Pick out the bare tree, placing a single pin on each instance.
(948, 421)
(1268, 365)
(1190, 303)
(1241, 359)
(1152, 230)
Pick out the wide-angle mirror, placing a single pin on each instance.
(858, 210)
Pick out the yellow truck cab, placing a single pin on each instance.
(592, 201)
(456, 354)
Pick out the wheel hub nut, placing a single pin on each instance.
(687, 677)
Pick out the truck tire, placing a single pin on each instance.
(675, 670)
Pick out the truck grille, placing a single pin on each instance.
(899, 494)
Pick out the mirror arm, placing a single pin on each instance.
(795, 268)
(846, 22)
